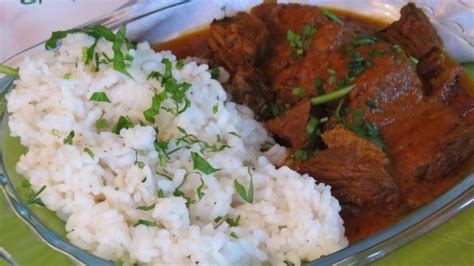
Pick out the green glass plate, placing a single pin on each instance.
(452, 243)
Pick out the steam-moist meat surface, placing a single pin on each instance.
(395, 142)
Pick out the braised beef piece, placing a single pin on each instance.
(413, 32)
(355, 168)
(291, 126)
(240, 43)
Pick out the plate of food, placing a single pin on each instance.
(222, 132)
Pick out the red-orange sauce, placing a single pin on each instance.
(365, 222)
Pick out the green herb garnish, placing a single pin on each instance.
(119, 62)
(300, 43)
(67, 76)
(331, 96)
(32, 198)
(99, 97)
(233, 222)
(413, 60)
(179, 193)
(298, 91)
(89, 152)
(68, 139)
(201, 164)
(215, 108)
(101, 123)
(146, 223)
(246, 195)
(234, 134)
(371, 104)
(234, 235)
(155, 107)
(301, 154)
(160, 193)
(358, 41)
(199, 192)
(318, 84)
(180, 64)
(123, 122)
(215, 73)
(146, 208)
(9, 71)
(332, 16)
(218, 219)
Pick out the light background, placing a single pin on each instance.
(23, 25)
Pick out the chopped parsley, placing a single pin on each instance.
(215, 108)
(180, 64)
(146, 208)
(332, 17)
(119, 61)
(99, 97)
(413, 60)
(234, 235)
(160, 193)
(300, 43)
(32, 197)
(69, 138)
(376, 53)
(359, 41)
(155, 107)
(199, 192)
(123, 122)
(13, 72)
(301, 154)
(89, 152)
(371, 104)
(101, 123)
(331, 96)
(358, 126)
(215, 73)
(201, 164)
(190, 139)
(234, 134)
(311, 126)
(298, 91)
(218, 219)
(233, 222)
(179, 193)
(246, 195)
(67, 76)
(318, 84)
(146, 223)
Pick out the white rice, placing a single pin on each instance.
(291, 218)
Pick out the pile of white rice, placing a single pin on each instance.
(291, 218)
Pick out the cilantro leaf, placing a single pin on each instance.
(201, 164)
(118, 62)
(68, 139)
(89, 152)
(146, 223)
(246, 195)
(199, 192)
(147, 208)
(123, 122)
(101, 123)
(99, 97)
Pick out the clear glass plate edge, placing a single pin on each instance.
(415, 225)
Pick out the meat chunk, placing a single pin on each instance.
(291, 127)
(355, 168)
(279, 19)
(430, 143)
(439, 74)
(239, 41)
(339, 136)
(413, 32)
(248, 87)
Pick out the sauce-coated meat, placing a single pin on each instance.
(399, 138)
